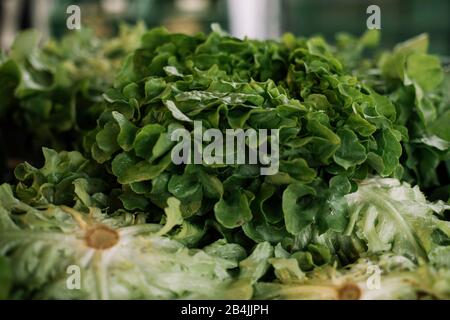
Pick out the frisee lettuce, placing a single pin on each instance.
(120, 256)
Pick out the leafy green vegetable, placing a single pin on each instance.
(394, 217)
(353, 134)
(120, 256)
(385, 215)
(398, 279)
(51, 94)
(330, 125)
(418, 85)
(66, 178)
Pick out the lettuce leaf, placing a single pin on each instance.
(386, 277)
(119, 256)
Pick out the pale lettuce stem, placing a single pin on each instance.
(101, 273)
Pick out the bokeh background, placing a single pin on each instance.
(400, 19)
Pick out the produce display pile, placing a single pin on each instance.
(362, 189)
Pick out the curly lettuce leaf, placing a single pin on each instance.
(120, 256)
(391, 216)
(387, 277)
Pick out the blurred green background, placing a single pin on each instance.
(400, 19)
